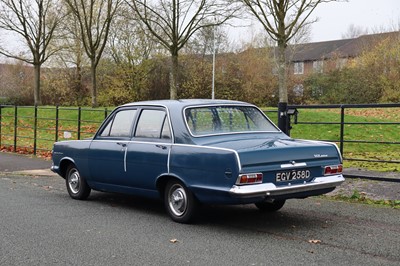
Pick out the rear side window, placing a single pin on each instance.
(120, 125)
(153, 124)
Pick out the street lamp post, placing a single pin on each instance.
(213, 68)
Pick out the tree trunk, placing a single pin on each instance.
(94, 82)
(36, 89)
(173, 77)
(282, 73)
(283, 94)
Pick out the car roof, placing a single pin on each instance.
(184, 103)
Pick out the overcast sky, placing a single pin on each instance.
(335, 18)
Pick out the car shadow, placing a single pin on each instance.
(244, 217)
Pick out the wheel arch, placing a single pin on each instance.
(162, 181)
(64, 163)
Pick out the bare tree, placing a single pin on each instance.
(72, 58)
(173, 22)
(282, 20)
(36, 22)
(94, 18)
(354, 32)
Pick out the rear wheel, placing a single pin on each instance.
(76, 185)
(180, 202)
(267, 206)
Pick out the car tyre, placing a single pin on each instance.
(267, 206)
(180, 202)
(76, 185)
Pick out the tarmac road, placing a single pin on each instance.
(41, 225)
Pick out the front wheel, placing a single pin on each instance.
(273, 206)
(76, 185)
(180, 202)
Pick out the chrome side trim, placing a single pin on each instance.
(126, 151)
(270, 189)
(169, 159)
(294, 165)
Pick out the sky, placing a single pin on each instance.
(334, 19)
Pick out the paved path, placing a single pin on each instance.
(10, 162)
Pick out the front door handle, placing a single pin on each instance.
(121, 144)
(161, 147)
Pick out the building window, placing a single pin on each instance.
(341, 63)
(318, 66)
(298, 68)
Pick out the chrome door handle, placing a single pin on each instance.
(121, 144)
(161, 147)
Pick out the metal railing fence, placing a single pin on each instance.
(33, 129)
(342, 123)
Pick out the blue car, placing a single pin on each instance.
(192, 152)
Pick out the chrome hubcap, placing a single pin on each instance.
(177, 200)
(73, 181)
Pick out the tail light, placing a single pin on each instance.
(246, 179)
(333, 169)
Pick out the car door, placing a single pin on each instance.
(107, 152)
(147, 155)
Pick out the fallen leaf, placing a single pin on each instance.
(173, 240)
(314, 241)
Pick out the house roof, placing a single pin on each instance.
(346, 48)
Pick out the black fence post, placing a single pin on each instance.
(105, 113)
(57, 113)
(341, 129)
(282, 117)
(79, 122)
(1, 119)
(15, 127)
(35, 130)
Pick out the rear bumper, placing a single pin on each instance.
(271, 190)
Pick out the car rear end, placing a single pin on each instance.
(286, 168)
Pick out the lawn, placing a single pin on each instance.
(356, 132)
(48, 130)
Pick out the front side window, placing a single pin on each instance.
(120, 125)
(153, 124)
(212, 120)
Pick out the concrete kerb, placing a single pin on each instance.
(37, 172)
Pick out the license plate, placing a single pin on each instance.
(293, 175)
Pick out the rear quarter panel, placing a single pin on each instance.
(208, 172)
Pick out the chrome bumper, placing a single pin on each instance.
(54, 168)
(270, 189)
